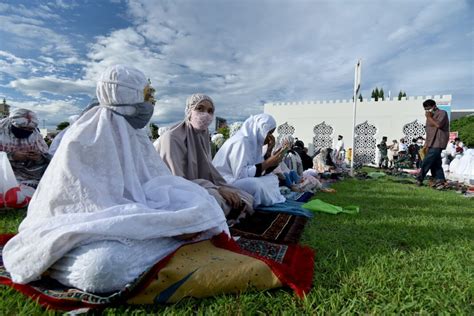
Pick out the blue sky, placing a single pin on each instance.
(242, 52)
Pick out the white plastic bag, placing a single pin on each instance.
(11, 193)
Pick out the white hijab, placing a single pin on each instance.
(244, 149)
(106, 182)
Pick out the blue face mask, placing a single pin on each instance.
(141, 117)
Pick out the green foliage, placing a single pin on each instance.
(224, 131)
(154, 130)
(409, 251)
(62, 125)
(381, 94)
(360, 97)
(401, 95)
(465, 127)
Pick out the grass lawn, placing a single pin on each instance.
(410, 250)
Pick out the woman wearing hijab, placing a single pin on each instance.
(323, 162)
(186, 149)
(242, 163)
(115, 209)
(291, 159)
(25, 147)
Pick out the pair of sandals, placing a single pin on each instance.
(440, 185)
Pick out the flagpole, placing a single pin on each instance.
(357, 73)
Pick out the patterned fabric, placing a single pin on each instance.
(202, 269)
(271, 226)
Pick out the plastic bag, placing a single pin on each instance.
(12, 194)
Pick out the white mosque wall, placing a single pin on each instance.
(388, 116)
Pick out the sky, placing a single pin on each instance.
(243, 53)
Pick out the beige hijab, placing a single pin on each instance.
(187, 151)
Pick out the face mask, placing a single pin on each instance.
(200, 120)
(143, 114)
(20, 133)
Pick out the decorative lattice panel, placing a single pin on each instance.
(413, 130)
(322, 136)
(365, 144)
(283, 130)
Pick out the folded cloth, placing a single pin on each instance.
(320, 206)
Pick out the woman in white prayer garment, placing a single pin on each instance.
(108, 208)
(242, 163)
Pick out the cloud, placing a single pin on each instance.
(53, 85)
(245, 53)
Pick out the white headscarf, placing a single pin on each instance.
(23, 118)
(193, 101)
(109, 184)
(121, 84)
(244, 149)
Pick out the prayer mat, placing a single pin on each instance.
(201, 269)
(271, 226)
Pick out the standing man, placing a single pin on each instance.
(340, 149)
(383, 158)
(437, 137)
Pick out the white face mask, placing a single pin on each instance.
(201, 120)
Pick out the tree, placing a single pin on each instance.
(360, 97)
(373, 94)
(62, 125)
(154, 130)
(400, 95)
(381, 94)
(465, 128)
(224, 131)
(376, 93)
(404, 95)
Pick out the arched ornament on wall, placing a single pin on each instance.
(322, 136)
(413, 130)
(365, 144)
(284, 130)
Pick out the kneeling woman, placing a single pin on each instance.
(108, 208)
(186, 149)
(242, 163)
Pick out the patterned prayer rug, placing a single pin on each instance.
(271, 226)
(198, 270)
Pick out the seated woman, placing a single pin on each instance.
(186, 149)
(108, 208)
(292, 159)
(241, 162)
(323, 161)
(25, 147)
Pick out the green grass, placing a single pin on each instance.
(410, 250)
